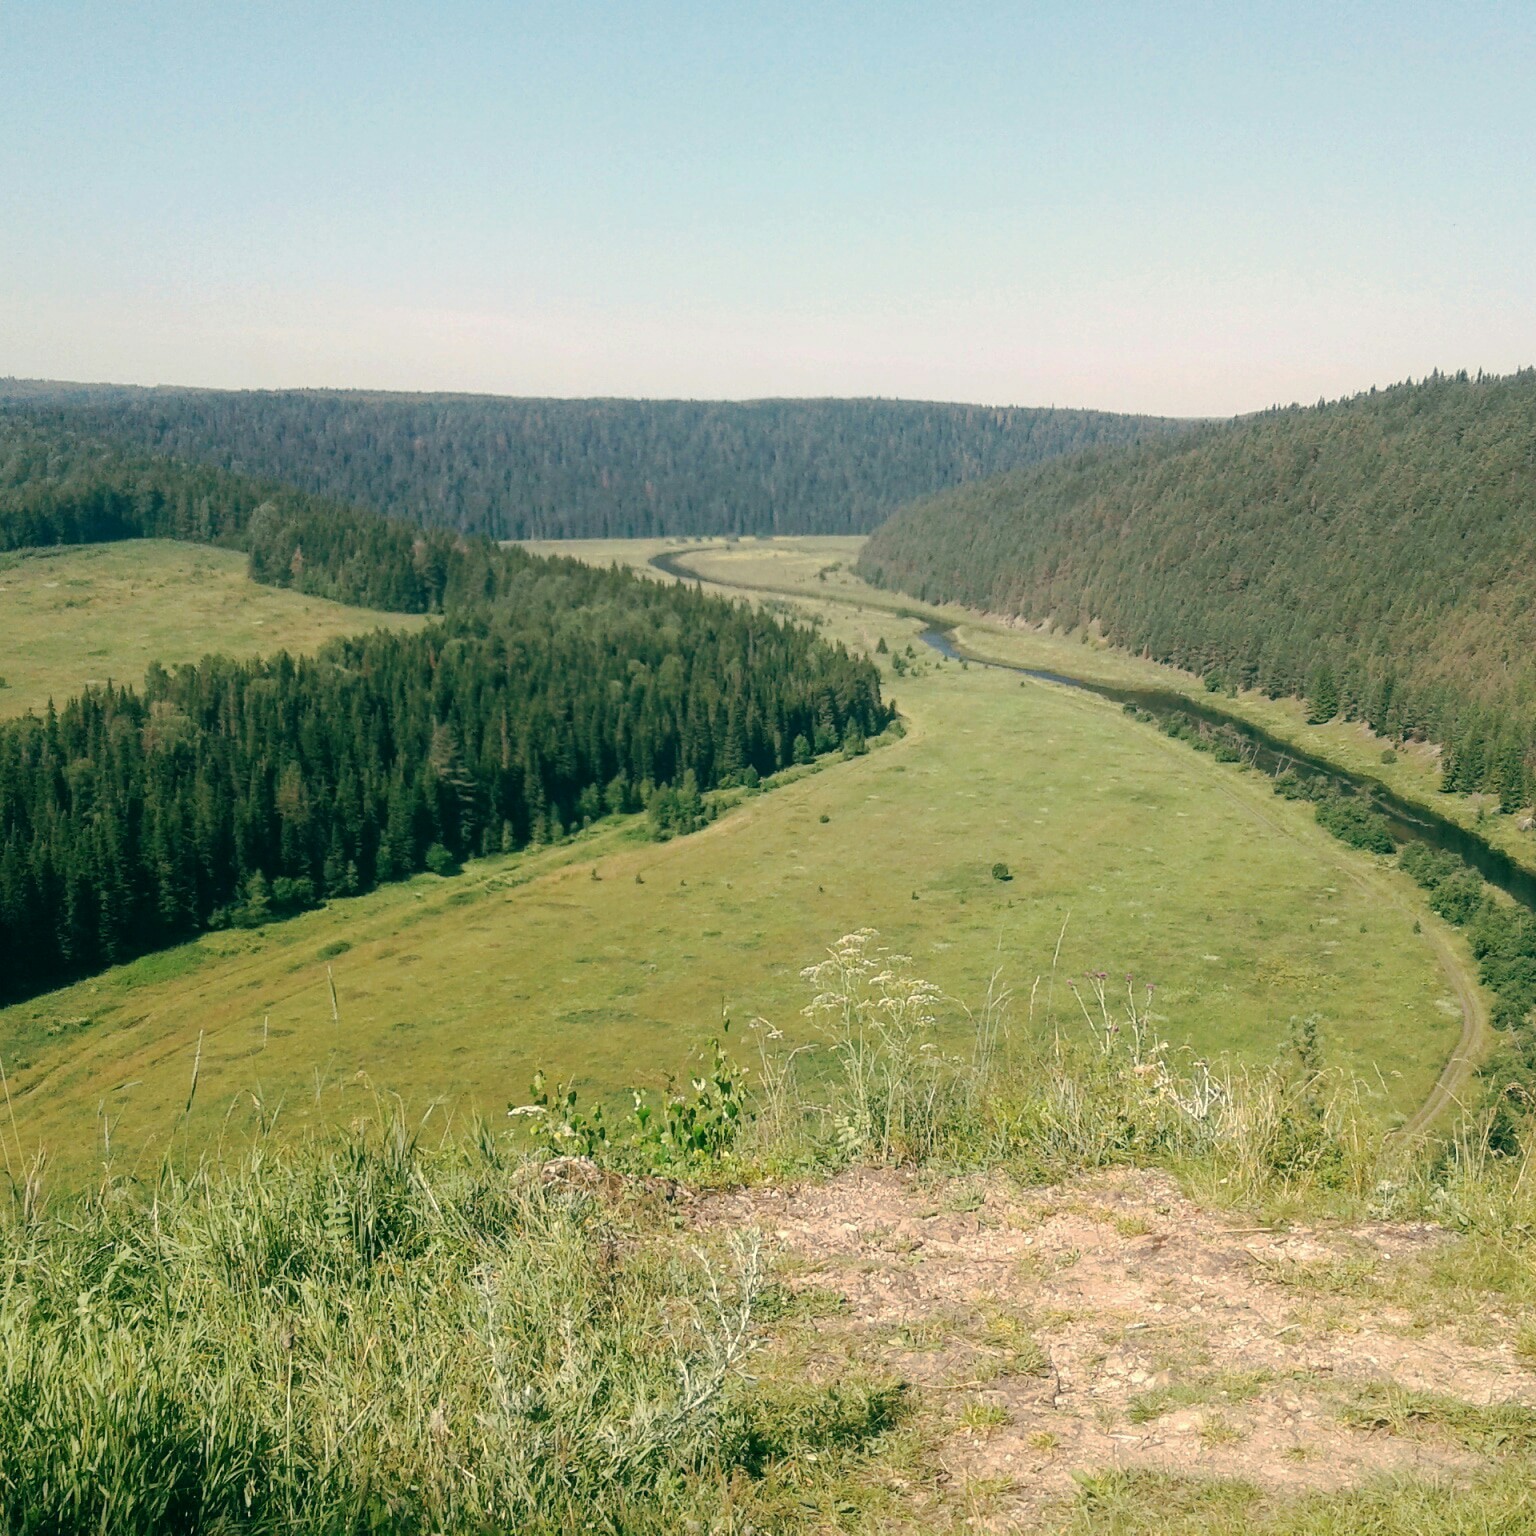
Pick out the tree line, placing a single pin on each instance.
(1374, 555)
(548, 694)
(529, 468)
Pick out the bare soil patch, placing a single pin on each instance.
(1111, 1323)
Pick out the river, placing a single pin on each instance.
(1409, 822)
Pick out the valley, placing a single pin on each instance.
(610, 958)
(767, 771)
(822, 570)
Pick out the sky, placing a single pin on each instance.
(1192, 209)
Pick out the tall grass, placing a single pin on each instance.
(365, 1336)
(1094, 1086)
(364, 1333)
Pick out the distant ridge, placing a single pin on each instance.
(531, 468)
(1376, 555)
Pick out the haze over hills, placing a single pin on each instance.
(1373, 554)
(554, 468)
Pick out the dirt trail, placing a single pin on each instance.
(1111, 1323)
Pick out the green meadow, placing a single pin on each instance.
(823, 568)
(611, 958)
(91, 613)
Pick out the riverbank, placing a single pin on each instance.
(1411, 778)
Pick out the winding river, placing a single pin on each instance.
(1409, 822)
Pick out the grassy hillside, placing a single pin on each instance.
(413, 1324)
(519, 468)
(1373, 555)
(1159, 862)
(80, 615)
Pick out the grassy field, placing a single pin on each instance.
(611, 958)
(823, 568)
(86, 614)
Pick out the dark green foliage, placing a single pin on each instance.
(441, 861)
(1504, 940)
(1374, 555)
(676, 812)
(1224, 742)
(1322, 695)
(585, 468)
(1001, 871)
(57, 487)
(551, 694)
(62, 487)
(1352, 821)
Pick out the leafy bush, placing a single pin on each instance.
(1352, 821)
(683, 1133)
(676, 812)
(441, 861)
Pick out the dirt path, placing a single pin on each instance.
(1476, 1034)
(1111, 1323)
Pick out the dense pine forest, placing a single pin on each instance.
(1374, 555)
(549, 694)
(60, 486)
(524, 468)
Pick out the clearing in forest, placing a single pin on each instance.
(89, 613)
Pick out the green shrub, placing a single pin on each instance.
(1352, 821)
(440, 861)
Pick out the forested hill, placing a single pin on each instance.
(1376, 555)
(525, 468)
(549, 694)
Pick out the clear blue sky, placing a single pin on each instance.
(1155, 206)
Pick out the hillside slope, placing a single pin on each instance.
(526, 468)
(1375, 555)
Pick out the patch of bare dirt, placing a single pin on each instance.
(1112, 1323)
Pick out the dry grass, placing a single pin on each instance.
(73, 616)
